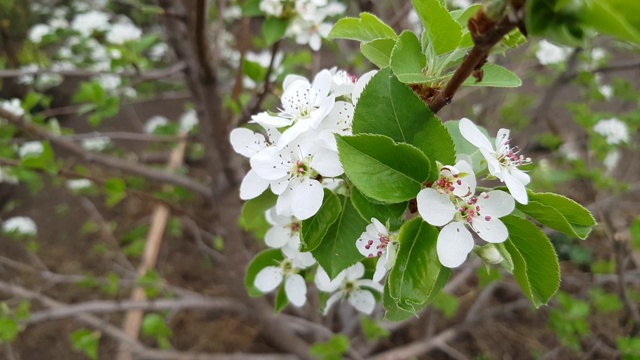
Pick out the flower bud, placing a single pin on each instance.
(489, 254)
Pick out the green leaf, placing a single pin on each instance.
(535, 263)
(384, 213)
(378, 51)
(251, 8)
(115, 189)
(388, 107)
(407, 58)
(634, 229)
(367, 28)
(315, 228)
(153, 325)
(273, 29)
(281, 300)
(559, 213)
(43, 161)
(252, 217)
(269, 257)
(447, 304)
(618, 18)
(417, 277)
(372, 331)
(338, 248)
(392, 311)
(8, 330)
(86, 341)
(441, 32)
(381, 169)
(495, 76)
(629, 347)
(332, 349)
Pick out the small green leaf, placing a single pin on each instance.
(417, 276)
(634, 229)
(338, 251)
(86, 341)
(367, 28)
(332, 349)
(441, 32)
(115, 189)
(559, 213)
(153, 325)
(281, 300)
(269, 257)
(381, 169)
(535, 263)
(314, 229)
(407, 57)
(384, 213)
(447, 304)
(273, 29)
(378, 51)
(8, 330)
(251, 8)
(372, 331)
(495, 76)
(252, 217)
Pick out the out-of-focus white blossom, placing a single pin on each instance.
(31, 148)
(90, 21)
(13, 106)
(188, 121)
(155, 122)
(549, 53)
(79, 184)
(271, 7)
(158, 51)
(611, 160)
(120, 33)
(97, 143)
(37, 32)
(613, 129)
(20, 224)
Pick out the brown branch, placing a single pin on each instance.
(486, 33)
(258, 100)
(138, 76)
(175, 355)
(106, 160)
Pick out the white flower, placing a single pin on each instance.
(304, 105)
(613, 129)
(79, 184)
(31, 148)
(611, 160)
(338, 121)
(606, 91)
(20, 224)
(271, 7)
(341, 82)
(6, 176)
(350, 285)
(154, 123)
(247, 143)
(90, 21)
(109, 82)
(285, 230)
(295, 287)
(37, 32)
(489, 254)
(548, 53)
(480, 213)
(13, 106)
(378, 241)
(503, 161)
(188, 121)
(158, 51)
(120, 33)
(309, 31)
(293, 172)
(97, 143)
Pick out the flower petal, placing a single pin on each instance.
(277, 236)
(360, 84)
(324, 284)
(493, 230)
(327, 163)
(306, 198)
(521, 176)
(435, 208)
(355, 271)
(363, 301)
(473, 135)
(381, 269)
(454, 244)
(252, 185)
(268, 164)
(283, 204)
(470, 179)
(496, 203)
(296, 289)
(502, 144)
(245, 142)
(268, 278)
(265, 120)
(516, 188)
(332, 300)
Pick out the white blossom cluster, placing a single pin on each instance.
(614, 130)
(20, 225)
(548, 53)
(307, 18)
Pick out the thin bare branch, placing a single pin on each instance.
(138, 76)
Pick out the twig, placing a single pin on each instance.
(144, 76)
(110, 161)
(486, 34)
(257, 103)
(175, 355)
(100, 307)
(122, 135)
(159, 220)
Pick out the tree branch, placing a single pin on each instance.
(106, 160)
(137, 75)
(257, 103)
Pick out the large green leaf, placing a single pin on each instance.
(535, 263)
(368, 27)
(390, 213)
(273, 29)
(407, 57)
(338, 251)
(313, 229)
(417, 275)
(378, 51)
(269, 257)
(392, 311)
(441, 32)
(495, 76)
(388, 107)
(559, 213)
(381, 169)
(618, 18)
